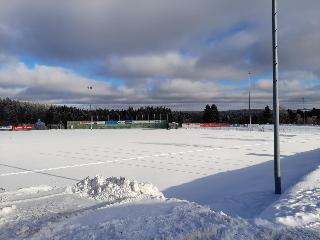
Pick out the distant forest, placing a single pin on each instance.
(16, 112)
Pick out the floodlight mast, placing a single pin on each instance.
(277, 172)
(304, 112)
(91, 117)
(250, 122)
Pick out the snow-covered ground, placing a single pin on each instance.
(225, 171)
(300, 205)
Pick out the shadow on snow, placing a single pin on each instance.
(248, 191)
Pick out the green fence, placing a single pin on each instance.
(116, 124)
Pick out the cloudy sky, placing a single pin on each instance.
(178, 53)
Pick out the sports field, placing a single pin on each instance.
(165, 158)
(227, 170)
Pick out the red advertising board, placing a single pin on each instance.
(22, 128)
(206, 125)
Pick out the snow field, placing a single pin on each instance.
(222, 170)
(61, 158)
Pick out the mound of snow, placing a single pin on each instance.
(165, 219)
(33, 190)
(7, 210)
(115, 189)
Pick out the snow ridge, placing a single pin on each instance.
(7, 210)
(115, 189)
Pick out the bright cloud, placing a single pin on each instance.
(56, 83)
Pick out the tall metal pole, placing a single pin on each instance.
(91, 117)
(277, 172)
(249, 74)
(304, 112)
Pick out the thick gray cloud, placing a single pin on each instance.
(165, 51)
(80, 28)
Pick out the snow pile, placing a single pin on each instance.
(115, 189)
(33, 190)
(169, 219)
(60, 215)
(7, 210)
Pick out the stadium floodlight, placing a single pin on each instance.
(91, 117)
(277, 172)
(304, 109)
(249, 74)
(304, 112)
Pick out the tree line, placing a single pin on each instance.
(14, 112)
(258, 116)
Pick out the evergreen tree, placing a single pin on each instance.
(215, 113)
(267, 115)
(207, 114)
(211, 114)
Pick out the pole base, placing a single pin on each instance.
(277, 185)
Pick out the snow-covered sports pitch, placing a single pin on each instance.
(225, 176)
